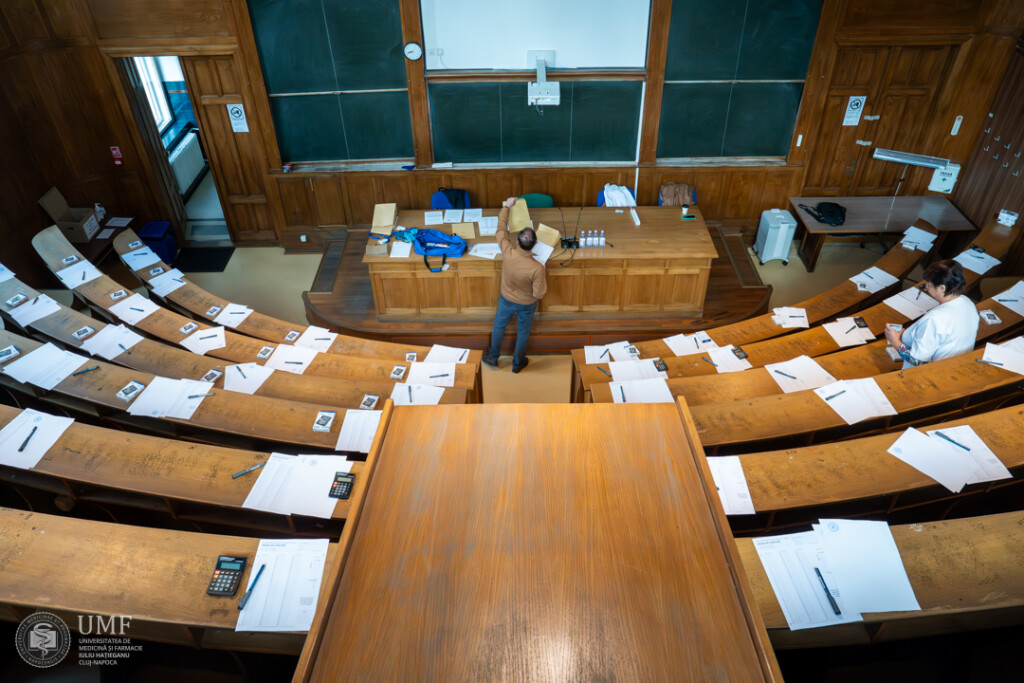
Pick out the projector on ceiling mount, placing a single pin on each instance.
(542, 92)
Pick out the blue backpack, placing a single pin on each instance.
(436, 243)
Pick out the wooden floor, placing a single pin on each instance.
(341, 300)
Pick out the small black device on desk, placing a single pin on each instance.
(226, 575)
(342, 486)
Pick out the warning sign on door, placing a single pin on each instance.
(236, 114)
(854, 108)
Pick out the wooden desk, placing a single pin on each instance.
(515, 545)
(872, 215)
(661, 265)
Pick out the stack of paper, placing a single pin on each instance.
(433, 218)
(78, 274)
(725, 360)
(439, 353)
(134, 309)
(873, 280)
(541, 252)
(1013, 298)
(232, 315)
(5, 273)
(727, 472)
(845, 332)
(293, 359)
(400, 249)
(358, 430)
(246, 378)
(34, 309)
(642, 391)
(856, 399)
(297, 484)
(799, 374)
(836, 572)
(488, 251)
(954, 456)
(111, 341)
(26, 439)
(317, 338)
(285, 597)
(916, 238)
(790, 317)
(690, 344)
(629, 370)
(203, 341)
(912, 303)
(170, 398)
(416, 394)
(488, 225)
(434, 374)
(1005, 356)
(140, 258)
(976, 261)
(165, 283)
(46, 367)
(605, 354)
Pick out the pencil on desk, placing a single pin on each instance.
(245, 598)
(868, 275)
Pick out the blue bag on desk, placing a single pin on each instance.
(436, 243)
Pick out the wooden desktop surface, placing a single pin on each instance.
(870, 214)
(541, 542)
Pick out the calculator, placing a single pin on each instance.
(659, 365)
(226, 576)
(342, 486)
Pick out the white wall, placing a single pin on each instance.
(487, 34)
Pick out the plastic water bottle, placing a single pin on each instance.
(100, 211)
(600, 240)
(591, 240)
(586, 239)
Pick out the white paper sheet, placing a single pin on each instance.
(873, 280)
(317, 338)
(727, 472)
(1004, 358)
(134, 309)
(118, 222)
(803, 373)
(246, 378)
(471, 215)
(934, 457)
(642, 391)
(867, 565)
(166, 397)
(787, 317)
(5, 273)
(433, 217)
(78, 274)
(45, 367)
(297, 485)
(629, 370)
(1016, 344)
(912, 303)
(293, 359)
(916, 238)
(726, 361)
(140, 258)
(453, 216)
(690, 344)
(434, 374)
(846, 333)
(165, 283)
(34, 309)
(233, 315)
(976, 261)
(487, 251)
(400, 249)
(597, 354)
(47, 429)
(416, 394)
(205, 340)
(285, 597)
(109, 340)
(541, 252)
(439, 353)
(488, 225)
(988, 466)
(620, 351)
(855, 400)
(1013, 298)
(358, 430)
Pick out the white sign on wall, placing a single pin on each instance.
(854, 108)
(236, 114)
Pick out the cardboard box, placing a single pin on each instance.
(78, 225)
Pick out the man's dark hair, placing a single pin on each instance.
(949, 273)
(527, 238)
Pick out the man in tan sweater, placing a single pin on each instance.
(523, 283)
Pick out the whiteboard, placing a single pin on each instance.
(486, 34)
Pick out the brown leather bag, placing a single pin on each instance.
(677, 194)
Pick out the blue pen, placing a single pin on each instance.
(245, 598)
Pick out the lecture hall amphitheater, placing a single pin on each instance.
(249, 431)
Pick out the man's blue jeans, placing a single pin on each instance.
(524, 321)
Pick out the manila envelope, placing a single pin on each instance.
(548, 236)
(518, 216)
(466, 231)
(383, 219)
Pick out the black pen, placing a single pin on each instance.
(851, 329)
(83, 276)
(34, 301)
(796, 316)
(780, 372)
(1003, 301)
(28, 438)
(463, 355)
(604, 371)
(955, 443)
(409, 387)
(603, 354)
(623, 393)
(990, 362)
(828, 593)
(323, 339)
(201, 395)
(829, 398)
(124, 349)
(436, 376)
(918, 294)
(709, 361)
(209, 336)
(236, 312)
(696, 344)
(239, 368)
(80, 372)
(247, 470)
(868, 275)
(293, 362)
(245, 598)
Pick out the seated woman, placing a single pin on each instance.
(949, 329)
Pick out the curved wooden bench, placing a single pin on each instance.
(995, 239)
(851, 363)
(171, 361)
(165, 324)
(197, 301)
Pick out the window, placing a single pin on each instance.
(149, 74)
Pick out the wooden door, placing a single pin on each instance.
(238, 160)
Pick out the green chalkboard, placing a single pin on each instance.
(704, 39)
(366, 41)
(777, 39)
(492, 122)
(761, 118)
(693, 117)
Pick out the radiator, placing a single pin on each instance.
(187, 161)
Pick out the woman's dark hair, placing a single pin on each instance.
(527, 239)
(949, 273)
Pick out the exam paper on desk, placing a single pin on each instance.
(934, 457)
(317, 338)
(166, 283)
(134, 309)
(453, 216)
(1004, 357)
(233, 315)
(78, 274)
(855, 400)
(433, 217)
(246, 378)
(416, 394)
(285, 597)
(641, 391)
(912, 303)
(988, 466)
(872, 280)
(731, 483)
(434, 374)
(34, 309)
(629, 370)
(108, 342)
(470, 215)
(845, 332)
(690, 344)
(18, 434)
(45, 367)
(727, 361)
(804, 373)
(439, 353)
(976, 261)
(140, 258)
(204, 340)
(297, 485)
(358, 430)
(1013, 298)
(293, 359)
(5, 273)
(488, 225)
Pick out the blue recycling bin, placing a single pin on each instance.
(158, 236)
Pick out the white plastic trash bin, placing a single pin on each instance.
(774, 235)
